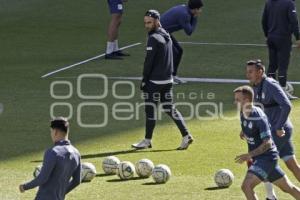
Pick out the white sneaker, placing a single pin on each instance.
(289, 94)
(144, 144)
(178, 81)
(186, 141)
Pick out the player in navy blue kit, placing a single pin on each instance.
(261, 148)
(61, 168)
(157, 81)
(116, 11)
(181, 17)
(279, 22)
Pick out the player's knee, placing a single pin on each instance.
(246, 187)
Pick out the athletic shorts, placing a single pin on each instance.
(284, 144)
(115, 6)
(266, 170)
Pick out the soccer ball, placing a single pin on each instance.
(125, 170)
(110, 165)
(161, 173)
(37, 171)
(289, 88)
(144, 168)
(88, 172)
(224, 178)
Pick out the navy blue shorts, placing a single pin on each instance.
(115, 6)
(266, 170)
(284, 144)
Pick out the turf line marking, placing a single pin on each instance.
(226, 44)
(201, 80)
(85, 61)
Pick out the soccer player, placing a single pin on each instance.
(262, 150)
(279, 22)
(112, 49)
(178, 18)
(157, 81)
(277, 106)
(61, 168)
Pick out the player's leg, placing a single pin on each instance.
(286, 186)
(169, 108)
(116, 10)
(273, 65)
(248, 185)
(284, 53)
(177, 55)
(152, 96)
(293, 166)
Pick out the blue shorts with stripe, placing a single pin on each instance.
(266, 170)
(115, 6)
(284, 144)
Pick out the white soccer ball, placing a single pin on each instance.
(125, 170)
(88, 172)
(161, 173)
(224, 178)
(144, 168)
(37, 171)
(110, 165)
(289, 88)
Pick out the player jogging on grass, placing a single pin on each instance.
(61, 168)
(261, 148)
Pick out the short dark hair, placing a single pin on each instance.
(153, 13)
(257, 63)
(246, 90)
(192, 4)
(61, 124)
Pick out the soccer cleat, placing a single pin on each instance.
(112, 56)
(186, 141)
(289, 94)
(120, 53)
(178, 81)
(144, 144)
(270, 199)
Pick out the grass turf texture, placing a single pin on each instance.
(40, 36)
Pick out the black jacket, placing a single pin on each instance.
(158, 64)
(280, 19)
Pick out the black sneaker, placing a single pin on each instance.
(112, 56)
(120, 53)
(270, 199)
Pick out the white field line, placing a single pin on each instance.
(201, 80)
(85, 61)
(226, 44)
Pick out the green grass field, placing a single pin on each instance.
(40, 36)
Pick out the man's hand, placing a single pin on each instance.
(242, 135)
(280, 133)
(298, 43)
(21, 188)
(242, 158)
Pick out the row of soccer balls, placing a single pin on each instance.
(125, 170)
(143, 168)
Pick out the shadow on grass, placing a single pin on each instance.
(153, 183)
(114, 153)
(215, 188)
(104, 175)
(119, 180)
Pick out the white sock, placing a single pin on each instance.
(148, 140)
(270, 190)
(109, 47)
(116, 45)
